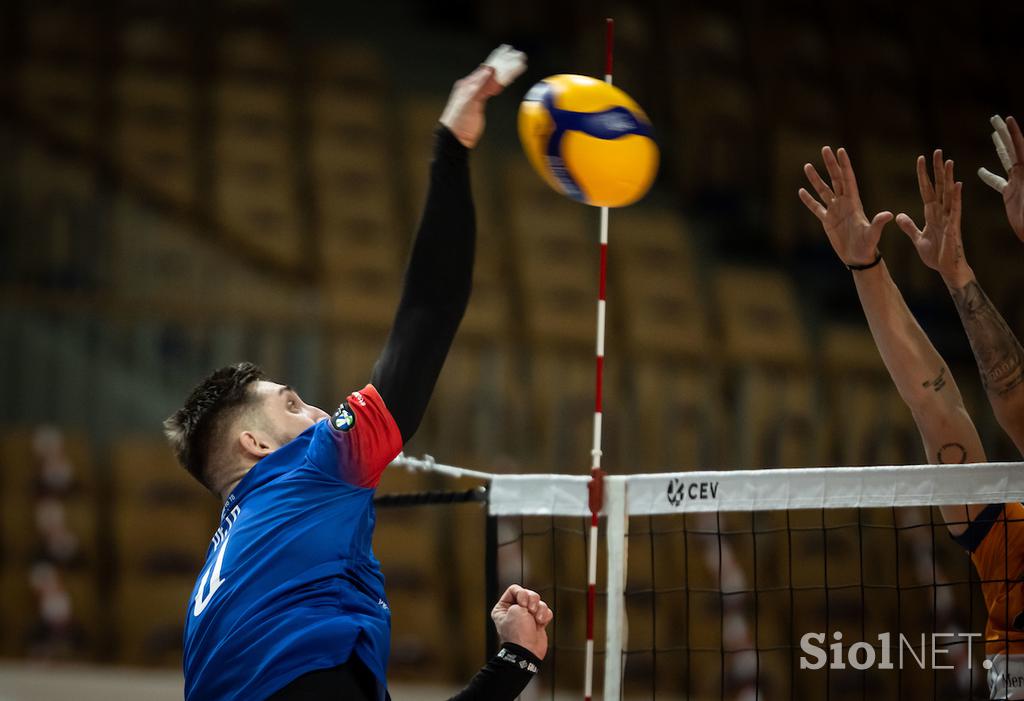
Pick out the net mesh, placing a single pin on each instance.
(717, 604)
(549, 554)
(716, 599)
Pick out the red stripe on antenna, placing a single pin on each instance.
(604, 272)
(599, 399)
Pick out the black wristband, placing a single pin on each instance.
(866, 266)
(520, 657)
(504, 676)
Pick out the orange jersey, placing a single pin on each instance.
(996, 542)
(998, 555)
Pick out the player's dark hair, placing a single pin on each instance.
(211, 406)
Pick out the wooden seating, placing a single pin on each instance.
(254, 183)
(471, 419)
(150, 618)
(556, 261)
(410, 544)
(678, 418)
(869, 422)
(162, 522)
(56, 84)
(561, 421)
(154, 131)
(351, 361)
(887, 180)
(712, 103)
(49, 542)
(62, 99)
(760, 318)
(652, 253)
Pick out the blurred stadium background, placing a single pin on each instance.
(187, 184)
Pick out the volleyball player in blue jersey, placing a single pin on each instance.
(290, 587)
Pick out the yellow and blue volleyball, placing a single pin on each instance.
(588, 140)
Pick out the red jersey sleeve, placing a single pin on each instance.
(358, 441)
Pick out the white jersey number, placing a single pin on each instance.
(212, 575)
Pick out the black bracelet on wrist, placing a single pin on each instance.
(866, 266)
(519, 657)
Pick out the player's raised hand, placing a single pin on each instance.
(521, 616)
(464, 113)
(939, 244)
(853, 236)
(1009, 143)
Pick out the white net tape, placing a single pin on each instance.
(766, 490)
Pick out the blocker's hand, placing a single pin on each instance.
(520, 617)
(939, 245)
(1009, 143)
(853, 237)
(464, 113)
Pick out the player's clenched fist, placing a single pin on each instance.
(521, 617)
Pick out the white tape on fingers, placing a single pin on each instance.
(991, 179)
(1004, 143)
(508, 64)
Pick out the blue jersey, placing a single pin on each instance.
(290, 583)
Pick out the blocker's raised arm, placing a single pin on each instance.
(997, 351)
(918, 371)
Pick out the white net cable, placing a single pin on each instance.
(427, 464)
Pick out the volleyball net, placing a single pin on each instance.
(823, 583)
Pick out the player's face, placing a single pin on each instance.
(285, 412)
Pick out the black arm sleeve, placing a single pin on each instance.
(503, 678)
(438, 280)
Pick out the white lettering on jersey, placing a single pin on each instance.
(215, 580)
(228, 521)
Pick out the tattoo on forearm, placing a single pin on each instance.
(952, 454)
(998, 352)
(938, 383)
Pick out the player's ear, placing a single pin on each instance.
(254, 444)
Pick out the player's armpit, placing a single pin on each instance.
(358, 441)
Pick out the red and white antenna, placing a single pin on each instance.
(596, 474)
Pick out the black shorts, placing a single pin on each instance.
(351, 681)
